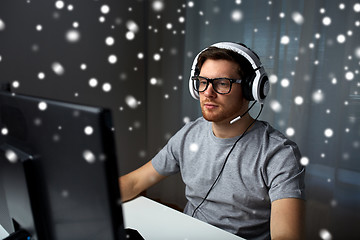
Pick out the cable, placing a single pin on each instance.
(239, 117)
(226, 159)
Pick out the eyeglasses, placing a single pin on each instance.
(220, 85)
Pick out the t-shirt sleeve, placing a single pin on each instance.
(166, 162)
(285, 174)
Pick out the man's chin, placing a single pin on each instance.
(209, 117)
(214, 119)
(217, 118)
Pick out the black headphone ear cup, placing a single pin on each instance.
(247, 85)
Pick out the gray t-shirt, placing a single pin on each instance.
(263, 167)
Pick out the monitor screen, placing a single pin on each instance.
(58, 170)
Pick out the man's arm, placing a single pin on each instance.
(287, 219)
(133, 183)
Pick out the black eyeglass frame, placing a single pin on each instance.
(211, 80)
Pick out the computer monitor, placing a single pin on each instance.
(58, 170)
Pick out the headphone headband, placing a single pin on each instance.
(243, 51)
(255, 88)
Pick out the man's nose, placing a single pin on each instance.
(210, 92)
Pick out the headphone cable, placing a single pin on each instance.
(226, 159)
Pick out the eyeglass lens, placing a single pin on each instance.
(220, 85)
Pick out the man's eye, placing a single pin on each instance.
(223, 83)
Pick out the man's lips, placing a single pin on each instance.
(210, 105)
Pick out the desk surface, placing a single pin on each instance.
(3, 233)
(155, 221)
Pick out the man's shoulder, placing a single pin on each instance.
(197, 123)
(200, 120)
(194, 127)
(271, 137)
(271, 132)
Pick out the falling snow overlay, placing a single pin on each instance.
(135, 57)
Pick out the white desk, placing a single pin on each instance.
(155, 221)
(3, 233)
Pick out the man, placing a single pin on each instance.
(241, 175)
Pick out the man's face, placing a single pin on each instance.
(219, 108)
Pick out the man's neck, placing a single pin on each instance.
(227, 130)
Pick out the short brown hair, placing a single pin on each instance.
(245, 69)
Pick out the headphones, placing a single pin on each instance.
(255, 87)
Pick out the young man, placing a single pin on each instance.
(242, 176)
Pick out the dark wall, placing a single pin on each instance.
(61, 50)
(123, 55)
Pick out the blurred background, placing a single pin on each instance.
(134, 57)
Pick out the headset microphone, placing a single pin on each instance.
(239, 117)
